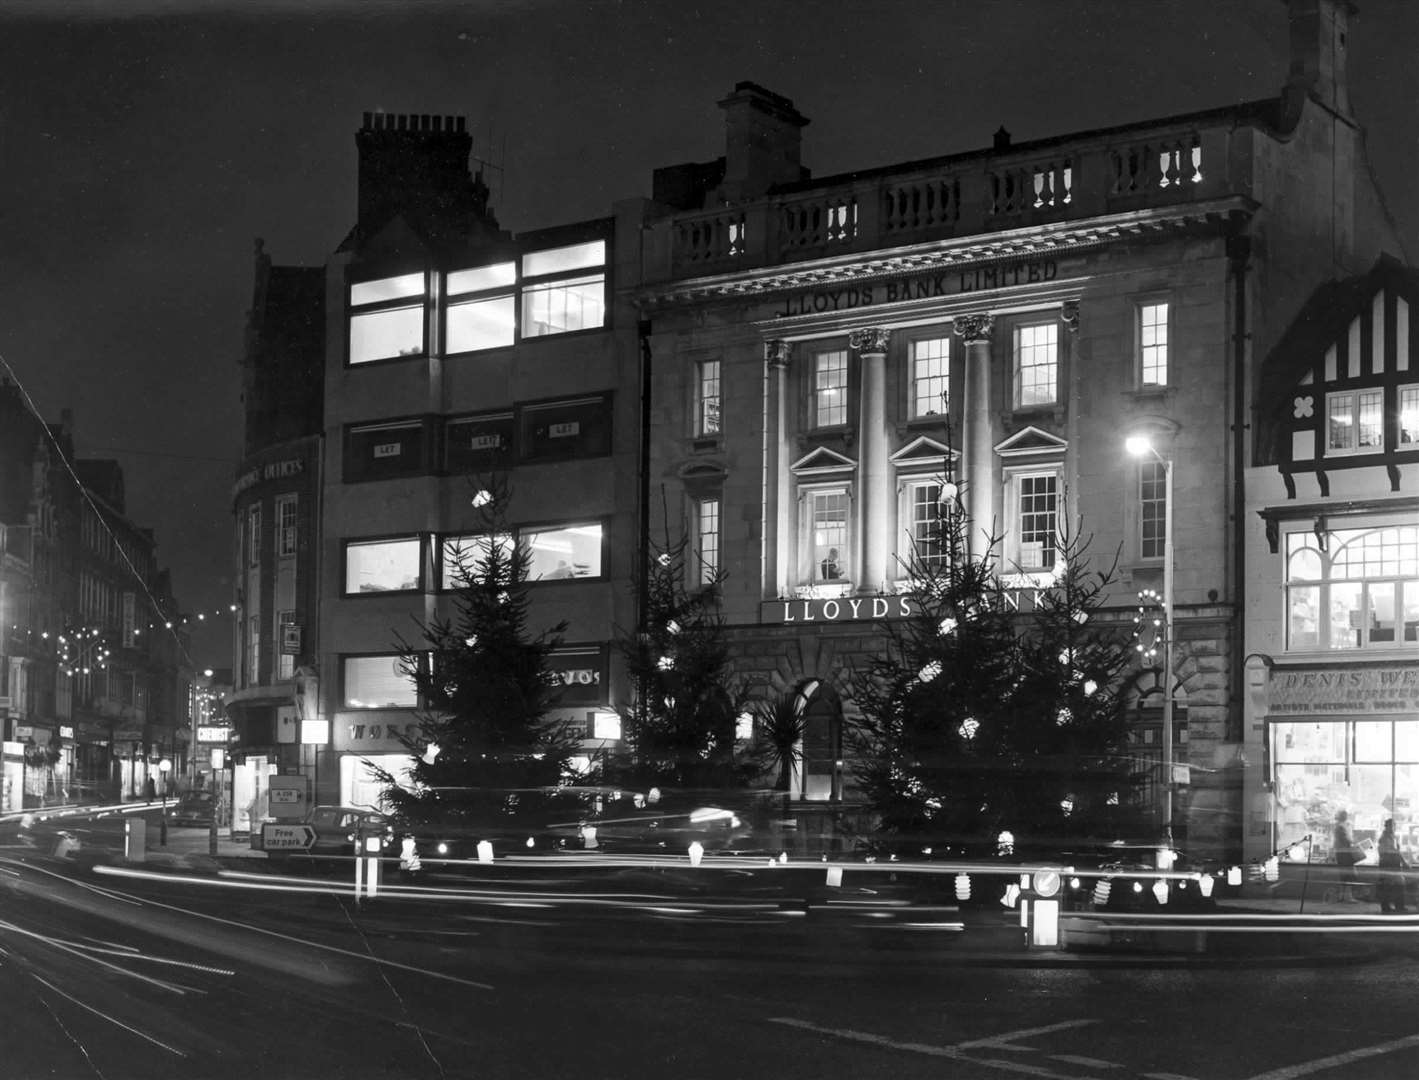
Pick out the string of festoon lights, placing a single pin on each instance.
(82, 650)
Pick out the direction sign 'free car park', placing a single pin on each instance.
(275, 837)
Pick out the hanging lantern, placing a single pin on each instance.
(1012, 895)
(1272, 870)
(1160, 891)
(963, 886)
(1102, 888)
(1204, 885)
(1234, 875)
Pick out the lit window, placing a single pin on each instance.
(287, 536)
(571, 551)
(1036, 365)
(931, 366)
(923, 525)
(828, 512)
(387, 318)
(569, 301)
(707, 539)
(707, 397)
(378, 682)
(253, 649)
(1153, 344)
(377, 566)
(1358, 589)
(287, 642)
(1409, 416)
(1035, 519)
(1354, 420)
(830, 389)
(1152, 509)
(253, 535)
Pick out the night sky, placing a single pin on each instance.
(144, 146)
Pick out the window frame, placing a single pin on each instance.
(345, 704)
(708, 407)
(401, 302)
(915, 379)
(492, 293)
(1155, 473)
(1018, 368)
(253, 534)
(389, 541)
(709, 538)
(815, 390)
(1354, 421)
(1142, 346)
(518, 534)
(1320, 591)
(909, 541)
(586, 273)
(287, 533)
(1401, 443)
(1013, 547)
(810, 558)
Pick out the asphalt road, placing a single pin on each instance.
(118, 972)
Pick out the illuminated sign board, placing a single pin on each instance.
(214, 733)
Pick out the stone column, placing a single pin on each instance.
(977, 435)
(778, 489)
(875, 517)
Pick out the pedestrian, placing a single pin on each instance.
(1391, 884)
(1345, 857)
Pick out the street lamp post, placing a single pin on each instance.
(164, 767)
(1139, 445)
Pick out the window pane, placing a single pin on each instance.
(392, 288)
(1370, 404)
(708, 539)
(570, 552)
(1307, 742)
(925, 525)
(1409, 415)
(572, 257)
(493, 276)
(1153, 343)
(1037, 521)
(1340, 421)
(382, 566)
(1406, 740)
(1035, 364)
(1346, 615)
(1410, 602)
(1382, 596)
(830, 511)
(480, 324)
(930, 375)
(469, 552)
(379, 335)
(1372, 740)
(830, 389)
(707, 398)
(559, 308)
(1153, 509)
(376, 682)
(1303, 618)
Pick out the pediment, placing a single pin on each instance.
(925, 453)
(821, 460)
(1031, 442)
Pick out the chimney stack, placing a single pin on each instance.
(763, 142)
(1319, 44)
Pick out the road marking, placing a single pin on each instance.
(951, 1052)
(110, 1019)
(1088, 1062)
(1287, 1072)
(1001, 1042)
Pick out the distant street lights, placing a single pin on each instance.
(1140, 446)
(164, 767)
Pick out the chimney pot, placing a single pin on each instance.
(1002, 138)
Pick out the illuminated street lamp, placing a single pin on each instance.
(164, 767)
(1139, 446)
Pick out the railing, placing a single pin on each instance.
(977, 195)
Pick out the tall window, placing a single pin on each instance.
(1153, 344)
(707, 539)
(828, 512)
(924, 524)
(387, 318)
(564, 289)
(830, 389)
(253, 535)
(1036, 513)
(1409, 416)
(481, 311)
(1152, 509)
(1036, 365)
(931, 367)
(285, 653)
(707, 397)
(1354, 420)
(286, 535)
(1357, 589)
(253, 649)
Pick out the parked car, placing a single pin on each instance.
(195, 809)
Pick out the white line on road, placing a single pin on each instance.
(924, 1048)
(1002, 1041)
(1304, 1068)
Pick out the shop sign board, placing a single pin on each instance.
(1389, 688)
(288, 798)
(219, 734)
(278, 837)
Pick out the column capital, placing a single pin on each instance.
(1069, 315)
(776, 352)
(870, 339)
(974, 327)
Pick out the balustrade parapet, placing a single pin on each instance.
(1140, 167)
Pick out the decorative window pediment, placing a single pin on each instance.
(820, 462)
(1032, 442)
(924, 453)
